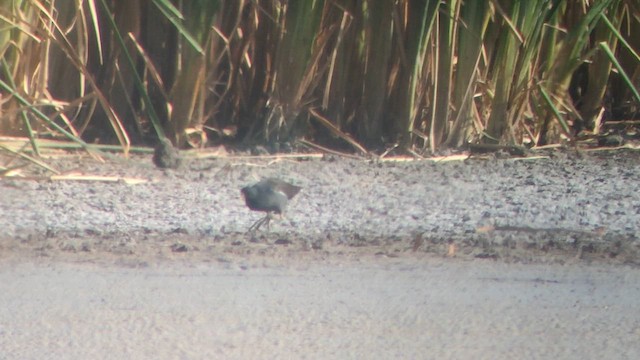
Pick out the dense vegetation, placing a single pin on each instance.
(361, 73)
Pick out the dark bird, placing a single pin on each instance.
(165, 156)
(270, 195)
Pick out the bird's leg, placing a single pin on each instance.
(268, 220)
(256, 225)
(261, 222)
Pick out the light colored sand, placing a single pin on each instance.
(377, 308)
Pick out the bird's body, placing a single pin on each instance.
(270, 195)
(165, 156)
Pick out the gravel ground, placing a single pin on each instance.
(483, 258)
(556, 208)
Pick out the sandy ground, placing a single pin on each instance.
(486, 258)
(378, 309)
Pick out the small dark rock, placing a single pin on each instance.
(50, 233)
(286, 147)
(178, 247)
(611, 140)
(259, 150)
(329, 158)
(179, 230)
(283, 242)
(487, 255)
(92, 232)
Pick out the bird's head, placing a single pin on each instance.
(249, 192)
